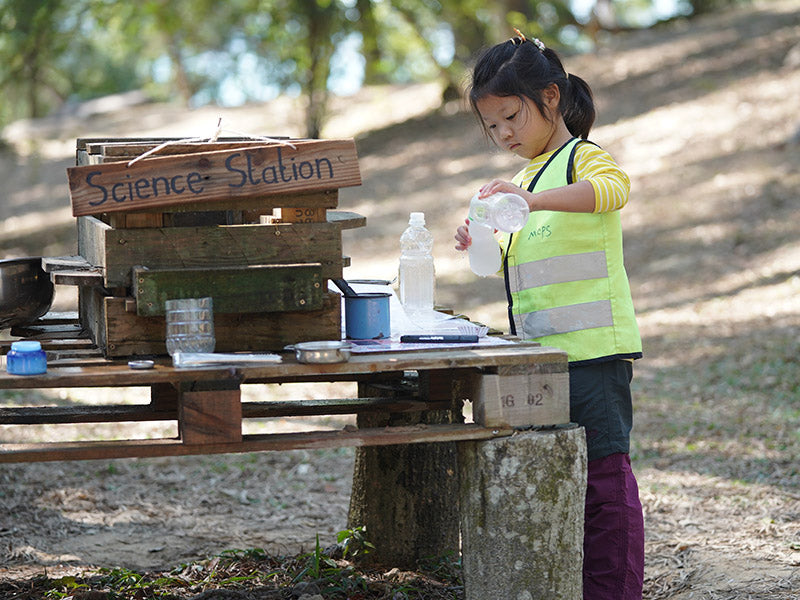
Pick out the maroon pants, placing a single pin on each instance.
(613, 543)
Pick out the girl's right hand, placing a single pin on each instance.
(462, 237)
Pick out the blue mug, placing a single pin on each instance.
(366, 316)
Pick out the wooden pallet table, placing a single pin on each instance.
(206, 402)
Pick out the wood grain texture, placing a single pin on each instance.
(195, 178)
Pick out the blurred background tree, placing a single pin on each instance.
(54, 53)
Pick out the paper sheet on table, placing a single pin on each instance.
(435, 323)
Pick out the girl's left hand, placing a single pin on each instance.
(462, 237)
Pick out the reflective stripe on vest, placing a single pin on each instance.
(559, 269)
(565, 319)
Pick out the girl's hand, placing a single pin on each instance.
(496, 186)
(462, 237)
(499, 186)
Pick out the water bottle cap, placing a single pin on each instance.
(416, 218)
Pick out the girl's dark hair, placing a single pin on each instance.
(523, 68)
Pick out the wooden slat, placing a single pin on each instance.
(208, 176)
(55, 415)
(126, 334)
(346, 219)
(116, 251)
(72, 270)
(52, 415)
(128, 150)
(360, 367)
(301, 215)
(250, 443)
(48, 332)
(251, 289)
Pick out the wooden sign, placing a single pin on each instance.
(243, 173)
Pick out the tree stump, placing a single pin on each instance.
(406, 496)
(522, 509)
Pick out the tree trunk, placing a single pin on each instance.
(522, 509)
(407, 496)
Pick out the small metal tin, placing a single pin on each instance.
(141, 365)
(326, 351)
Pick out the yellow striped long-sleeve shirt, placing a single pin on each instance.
(593, 164)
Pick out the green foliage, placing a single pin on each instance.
(199, 51)
(255, 569)
(64, 587)
(354, 542)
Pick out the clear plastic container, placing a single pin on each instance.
(26, 358)
(190, 325)
(416, 274)
(503, 211)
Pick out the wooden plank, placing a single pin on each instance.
(128, 149)
(34, 331)
(300, 215)
(346, 219)
(127, 334)
(92, 245)
(208, 176)
(363, 367)
(261, 205)
(135, 220)
(72, 270)
(51, 415)
(210, 416)
(58, 317)
(10, 453)
(255, 288)
(116, 251)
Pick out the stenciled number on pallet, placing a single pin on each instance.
(534, 399)
(305, 215)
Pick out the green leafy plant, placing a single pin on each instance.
(64, 587)
(354, 542)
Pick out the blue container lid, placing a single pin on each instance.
(28, 346)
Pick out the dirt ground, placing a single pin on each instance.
(704, 118)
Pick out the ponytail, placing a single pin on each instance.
(523, 68)
(577, 107)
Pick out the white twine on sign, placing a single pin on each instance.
(219, 130)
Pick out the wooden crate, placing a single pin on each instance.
(264, 255)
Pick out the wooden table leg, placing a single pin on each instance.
(210, 412)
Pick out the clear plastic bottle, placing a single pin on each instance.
(504, 211)
(484, 251)
(416, 275)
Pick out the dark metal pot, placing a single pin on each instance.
(26, 291)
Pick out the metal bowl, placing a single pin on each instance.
(322, 352)
(26, 292)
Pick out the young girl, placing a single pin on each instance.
(566, 282)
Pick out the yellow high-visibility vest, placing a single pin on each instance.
(565, 278)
